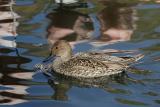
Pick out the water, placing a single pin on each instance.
(124, 28)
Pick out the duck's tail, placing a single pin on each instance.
(132, 59)
(138, 57)
(135, 59)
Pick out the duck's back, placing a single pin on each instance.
(105, 58)
(88, 68)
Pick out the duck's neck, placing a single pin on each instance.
(61, 59)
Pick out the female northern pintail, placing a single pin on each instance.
(87, 65)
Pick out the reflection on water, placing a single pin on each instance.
(10, 76)
(8, 25)
(116, 23)
(77, 27)
(61, 85)
(27, 27)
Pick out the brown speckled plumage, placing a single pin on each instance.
(86, 65)
(88, 68)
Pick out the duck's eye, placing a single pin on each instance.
(56, 47)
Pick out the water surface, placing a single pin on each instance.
(123, 28)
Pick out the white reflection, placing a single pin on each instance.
(66, 1)
(8, 15)
(12, 101)
(17, 89)
(22, 75)
(8, 28)
(8, 25)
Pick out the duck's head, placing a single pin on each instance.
(61, 49)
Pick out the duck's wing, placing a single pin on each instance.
(89, 68)
(103, 57)
(106, 57)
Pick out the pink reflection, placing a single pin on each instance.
(69, 25)
(117, 23)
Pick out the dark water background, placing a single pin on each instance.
(21, 86)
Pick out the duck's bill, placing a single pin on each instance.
(50, 58)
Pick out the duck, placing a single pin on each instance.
(87, 64)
